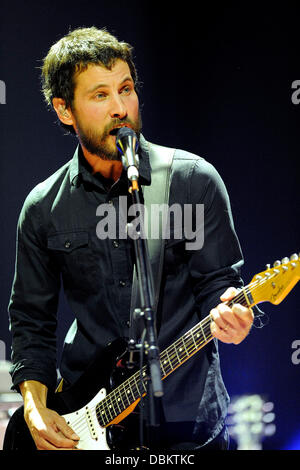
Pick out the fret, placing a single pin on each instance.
(109, 406)
(162, 368)
(143, 384)
(166, 363)
(175, 349)
(192, 335)
(198, 335)
(183, 341)
(144, 376)
(128, 392)
(169, 360)
(113, 401)
(125, 393)
(121, 398)
(102, 412)
(118, 399)
(181, 349)
(200, 324)
(137, 385)
(129, 384)
(245, 301)
(246, 298)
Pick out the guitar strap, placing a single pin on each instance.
(161, 159)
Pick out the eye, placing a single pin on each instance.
(100, 96)
(126, 90)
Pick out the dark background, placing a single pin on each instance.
(217, 82)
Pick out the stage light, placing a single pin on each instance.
(250, 419)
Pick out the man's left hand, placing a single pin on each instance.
(231, 325)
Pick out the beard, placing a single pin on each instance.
(98, 143)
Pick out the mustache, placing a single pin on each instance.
(120, 123)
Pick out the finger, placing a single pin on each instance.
(227, 316)
(57, 439)
(216, 317)
(229, 294)
(66, 430)
(221, 334)
(243, 314)
(46, 445)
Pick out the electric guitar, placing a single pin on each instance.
(95, 405)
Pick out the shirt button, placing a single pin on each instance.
(67, 244)
(116, 244)
(122, 283)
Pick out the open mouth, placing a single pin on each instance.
(115, 130)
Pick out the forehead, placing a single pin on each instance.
(96, 74)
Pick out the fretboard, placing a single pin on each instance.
(132, 389)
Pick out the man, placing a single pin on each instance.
(90, 80)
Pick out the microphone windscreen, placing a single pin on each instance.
(125, 136)
(125, 132)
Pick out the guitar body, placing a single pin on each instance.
(77, 405)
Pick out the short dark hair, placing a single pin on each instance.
(72, 54)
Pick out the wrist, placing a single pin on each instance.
(34, 394)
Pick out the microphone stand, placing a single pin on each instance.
(146, 291)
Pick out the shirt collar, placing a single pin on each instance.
(80, 168)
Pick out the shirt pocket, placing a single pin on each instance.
(67, 242)
(72, 251)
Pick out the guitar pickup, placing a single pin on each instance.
(91, 425)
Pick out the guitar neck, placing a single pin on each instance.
(132, 389)
(271, 285)
(196, 338)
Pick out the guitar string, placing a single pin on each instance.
(203, 325)
(82, 419)
(190, 347)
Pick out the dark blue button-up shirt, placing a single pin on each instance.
(57, 243)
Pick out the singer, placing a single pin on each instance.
(90, 81)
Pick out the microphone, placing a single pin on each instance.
(127, 144)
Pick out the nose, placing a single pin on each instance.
(118, 108)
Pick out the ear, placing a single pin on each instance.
(64, 114)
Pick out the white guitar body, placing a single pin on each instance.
(85, 424)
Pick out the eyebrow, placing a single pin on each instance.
(104, 85)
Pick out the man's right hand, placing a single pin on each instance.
(48, 429)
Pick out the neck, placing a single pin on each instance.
(110, 169)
